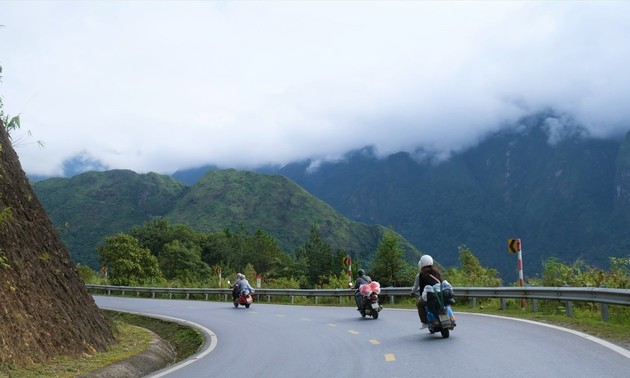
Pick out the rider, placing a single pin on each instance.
(240, 284)
(362, 280)
(428, 275)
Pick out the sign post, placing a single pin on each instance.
(218, 271)
(347, 262)
(515, 246)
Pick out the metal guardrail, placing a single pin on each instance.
(602, 296)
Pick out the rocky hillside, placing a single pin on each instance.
(46, 311)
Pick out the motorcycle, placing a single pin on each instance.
(244, 298)
(439, 299)
(369, 301)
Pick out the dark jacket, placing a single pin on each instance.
(425, 278)
(363, 280)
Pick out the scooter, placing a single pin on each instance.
(244, 298)
(439, 299)
(369, 303)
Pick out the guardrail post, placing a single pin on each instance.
(503, 304)
(123, 293)
(569, 306)
(316, 299)
(292, 299)
(153, 294)
(206, 296)
(268, 298)
(170, 295)
(340, 299)
(473, 302)
(534, 305)
(109, 292)
(391, 299)
(187, 295)
(605, 312)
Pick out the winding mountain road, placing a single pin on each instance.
(278, 341)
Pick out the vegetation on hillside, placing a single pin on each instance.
(567, 197)
(161, 253)
(224, 206)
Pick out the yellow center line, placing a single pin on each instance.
(332, 325)
(389, 357)
(375, 342)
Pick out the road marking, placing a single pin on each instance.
(332, 325)
(353, 332)
(624, 352)
(208, 346)
(306, 319)
(280, 316)
(375, 342)
(389, 357)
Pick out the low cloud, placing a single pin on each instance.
(169, 85)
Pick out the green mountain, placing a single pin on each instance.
(88, 207)
(564, 194)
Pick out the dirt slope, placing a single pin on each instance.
(45, 310)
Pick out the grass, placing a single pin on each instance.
(132, 336)
(131, 340)
(186, 340)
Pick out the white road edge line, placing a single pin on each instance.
(624, 352)
(604, 343)
(206, 348)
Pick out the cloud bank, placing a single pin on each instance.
(160, 86)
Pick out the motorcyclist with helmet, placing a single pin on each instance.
(240, 284)
(428, 275)
(362, 280)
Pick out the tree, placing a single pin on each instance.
(321, 262)
(127, 263)
(471, 272)
(265, 251)
(183, 263)
(390, 268)
(158, 232)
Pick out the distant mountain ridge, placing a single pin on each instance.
(565, 195)
(88, 207)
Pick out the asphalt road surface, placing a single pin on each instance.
(278, 341)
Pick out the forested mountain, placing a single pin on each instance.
(88, 207)
(564, 194)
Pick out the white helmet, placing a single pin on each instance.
(425, 260)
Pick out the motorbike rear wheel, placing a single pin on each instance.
(236, 304)
(445, 333)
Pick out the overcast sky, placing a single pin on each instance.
(160, 86)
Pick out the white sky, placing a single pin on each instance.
(166, 85)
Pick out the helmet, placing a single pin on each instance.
(240, 275)
(425, 260)
(361, 272)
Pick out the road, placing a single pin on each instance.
(278, 341)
